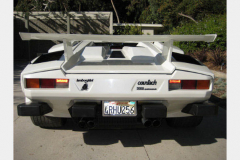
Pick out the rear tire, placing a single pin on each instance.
(184, 121)
(48, 122)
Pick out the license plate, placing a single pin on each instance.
(119, 108)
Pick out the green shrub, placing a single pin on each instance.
(211, 24)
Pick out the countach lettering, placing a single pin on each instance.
(147, 82)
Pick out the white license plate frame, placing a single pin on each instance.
(134, 114)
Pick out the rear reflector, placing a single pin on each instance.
(32, 83)
(203, 84)
(47, 83)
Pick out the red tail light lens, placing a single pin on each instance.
(47, 83)
(188, 84)
(32, 83)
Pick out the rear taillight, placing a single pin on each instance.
(32, 83)
(61, 83)
(203, 84)
(47, 83)
(174, 84)
(188, 84)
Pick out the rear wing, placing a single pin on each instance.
(167, 39)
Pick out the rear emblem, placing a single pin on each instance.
(84, 84)
(85, 87)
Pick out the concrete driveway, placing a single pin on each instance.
(207, 141)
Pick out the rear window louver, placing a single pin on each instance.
(185, 58)
(49, 57)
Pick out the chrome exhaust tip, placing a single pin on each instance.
(146, 122)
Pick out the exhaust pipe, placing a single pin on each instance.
(82, 124)
(90, 124)
(146, 122)
(156, 123)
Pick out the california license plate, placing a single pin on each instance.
(119, 108)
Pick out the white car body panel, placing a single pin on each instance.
(147, 61)
(193, 68)
(58, 47)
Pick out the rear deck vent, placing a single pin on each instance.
(116, 54)
(185, 58)
(49, 57)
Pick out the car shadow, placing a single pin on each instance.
(219, 101)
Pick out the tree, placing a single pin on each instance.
(173, 13)
(28, 6)
(135, 8)
(115, 11)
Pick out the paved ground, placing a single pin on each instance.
(208, 141)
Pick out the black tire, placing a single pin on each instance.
(48, 122)
(184, 121)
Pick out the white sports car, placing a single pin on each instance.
(116, 81)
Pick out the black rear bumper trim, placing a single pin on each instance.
(33, 109)
(80, 109)
(154, 111)
(203, 109)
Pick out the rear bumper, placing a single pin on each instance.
(93, 110)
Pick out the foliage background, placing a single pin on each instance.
(206, 16)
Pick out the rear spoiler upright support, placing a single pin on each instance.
(68, 52)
